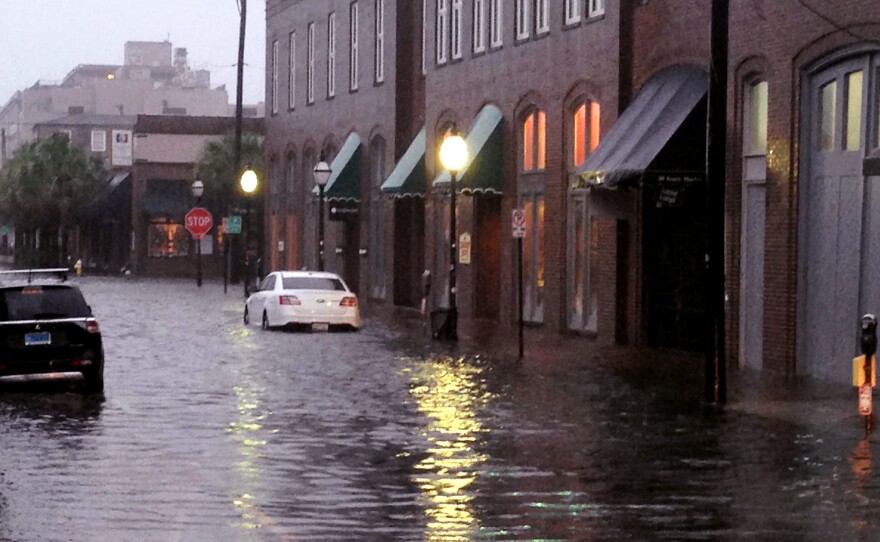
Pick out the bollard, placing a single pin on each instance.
(864, 371)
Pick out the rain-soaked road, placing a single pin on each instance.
(209, 431)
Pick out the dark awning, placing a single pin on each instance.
(345, 180)
(646, 126)
(408, 176)
(482, 172)
(167, 198)
(871, 164)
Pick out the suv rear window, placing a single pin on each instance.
(311, 283)
(42, 302)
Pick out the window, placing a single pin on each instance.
(756, 119)
(99, 141)
(583, 264)
(331, 55)
(542, 17)
(274, 77)
(456, 29)
(584, 131)
(291, 73)
(572, 11)
(291, 181)
(310, 68)
(533, 258)
(353, 47)
(377, 219)
(523, 19)
(597, 8)
(852, 132)
(534, 131)
(496, 23)
(167, 240)
(479, 32)
(827, 115)
(380, 41)
(442, 30)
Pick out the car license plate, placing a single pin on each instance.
(320, 326)
(37, 338)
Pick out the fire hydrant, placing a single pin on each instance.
(78, 267)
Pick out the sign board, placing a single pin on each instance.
(865, 400)
(343, 210)
(518, 224)
(233, 224)
(464, 248)
(859, 371)
(198, 222)
(121, 148)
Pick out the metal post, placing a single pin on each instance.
(320, 227)
(246, 244)
(199, 253)
(236, 147)
(519, 251)
(716, 131)
(452, 322)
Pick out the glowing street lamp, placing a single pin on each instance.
(453, 156)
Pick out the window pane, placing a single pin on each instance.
(827, 110)
(594, 275)
(595, 119)
(576, 306)
(539, 245)
(529, 143)
(758, 118)
(853, 119)
(528, 263)
(542, 140)
(579, 134)
(167, 240)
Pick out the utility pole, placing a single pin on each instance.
(716, 141)
(236, 145)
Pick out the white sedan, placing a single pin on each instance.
(314, 299)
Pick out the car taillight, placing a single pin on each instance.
(92, 326)
(348, 302)
(288, 300)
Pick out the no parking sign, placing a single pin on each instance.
(518, 224)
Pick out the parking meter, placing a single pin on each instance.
(869, 334)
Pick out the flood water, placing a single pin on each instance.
(210, 430)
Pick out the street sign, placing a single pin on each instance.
(233, 224)
(464, 248)
(518, 224)
(198, 222)
(865, 400)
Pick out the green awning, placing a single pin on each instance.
(167, 198)
(408, 177)
(483, 170)
(345, 180)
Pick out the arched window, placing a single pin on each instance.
(290, 173)
(584, 130)
(534, 141)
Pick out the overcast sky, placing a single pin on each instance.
(45, 39)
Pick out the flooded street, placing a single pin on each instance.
(212, 431)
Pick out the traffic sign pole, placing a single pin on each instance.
(518, 230)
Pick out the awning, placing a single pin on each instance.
(482, 172)
(167, 198)
(871, 164)
(646, 126)
(345, 180)
(408, 176)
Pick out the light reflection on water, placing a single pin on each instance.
(450, 393)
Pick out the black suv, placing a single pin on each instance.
(47, 330)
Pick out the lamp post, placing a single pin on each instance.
(248, 184)
(198, 188)
(453, 156)
(322, 173)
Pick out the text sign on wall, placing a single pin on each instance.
(121, 148)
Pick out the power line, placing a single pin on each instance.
(835, 24)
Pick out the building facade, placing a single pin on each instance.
(589, 116)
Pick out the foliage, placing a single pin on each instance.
(49, 183)
(215, 168)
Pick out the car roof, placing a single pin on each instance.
(18, 278)
(318, 274)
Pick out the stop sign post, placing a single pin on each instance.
(198, 222)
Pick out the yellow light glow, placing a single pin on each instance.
(453, 152)
(248, 181)
(111, 76)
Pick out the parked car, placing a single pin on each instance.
(312, 299)
(47, 330)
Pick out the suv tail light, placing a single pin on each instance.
(93, 327)
(288, 300)
(348, 302)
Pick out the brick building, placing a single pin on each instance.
(590, 116)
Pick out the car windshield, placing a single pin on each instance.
(42, 302)
(312, 283)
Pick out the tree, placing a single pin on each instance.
(48, 188)
(215, 168)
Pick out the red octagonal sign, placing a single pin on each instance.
(198, 222)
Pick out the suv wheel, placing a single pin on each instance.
(94, 382)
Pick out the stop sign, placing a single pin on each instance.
(198, 222)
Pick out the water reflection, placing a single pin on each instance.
(451, 393)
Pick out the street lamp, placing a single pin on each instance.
(453, 156)
(248, 184)
(322, 173)
(198, 188)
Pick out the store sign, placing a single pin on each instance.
(464, 248)
(121, 148)
(343, 210)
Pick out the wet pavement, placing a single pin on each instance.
(212, 431)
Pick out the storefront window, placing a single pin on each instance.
(533, 258)
(167, 240)
(583, 265)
